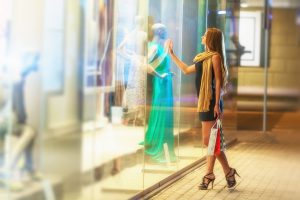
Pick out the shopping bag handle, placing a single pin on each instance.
(218, 123)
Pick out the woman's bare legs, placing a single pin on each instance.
(206, 126)
(223, 160)
(210, 160)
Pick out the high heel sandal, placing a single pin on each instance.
(230, 178)
(206, 181)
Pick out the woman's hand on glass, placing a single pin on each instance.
(167, 44)
(170, 46)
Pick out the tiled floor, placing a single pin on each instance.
(269, 169)
(268, 166)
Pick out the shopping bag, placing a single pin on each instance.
(216, 142)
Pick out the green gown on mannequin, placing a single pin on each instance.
(160, 123)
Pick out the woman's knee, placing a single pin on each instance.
(206, 126)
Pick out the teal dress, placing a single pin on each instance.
(160, 124)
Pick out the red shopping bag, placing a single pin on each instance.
(218, 142)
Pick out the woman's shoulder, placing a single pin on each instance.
(216, 58)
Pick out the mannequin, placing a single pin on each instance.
(13, 123)
(159, 138)
(133, 48)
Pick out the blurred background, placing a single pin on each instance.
(77, 100)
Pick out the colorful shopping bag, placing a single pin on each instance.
(216, 142)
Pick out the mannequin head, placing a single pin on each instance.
(159, 31)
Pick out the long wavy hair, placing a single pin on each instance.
(215, 42)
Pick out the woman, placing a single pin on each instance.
(211, 75)
(159, 134)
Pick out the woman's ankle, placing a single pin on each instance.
(210, 174)
(228, 171)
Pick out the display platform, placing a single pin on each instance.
(112, 142)
(50, 188)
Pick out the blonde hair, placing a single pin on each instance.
(215, 42)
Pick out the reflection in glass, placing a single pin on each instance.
(17, 134)
(105, 55)
(105, 45)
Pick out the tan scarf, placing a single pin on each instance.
(205, 93)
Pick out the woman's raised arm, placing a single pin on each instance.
(184, 67)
